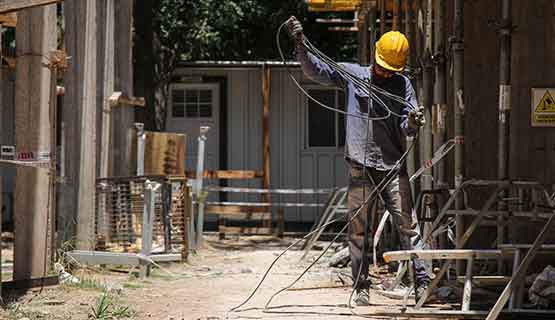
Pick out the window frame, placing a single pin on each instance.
(337, 119)
(191, 86)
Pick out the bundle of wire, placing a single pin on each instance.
(374, 93)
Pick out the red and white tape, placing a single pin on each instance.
(440, 153)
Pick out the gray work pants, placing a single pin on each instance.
(397, 200)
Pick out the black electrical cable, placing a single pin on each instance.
(307, 94)
(377, 189)
(276, 259)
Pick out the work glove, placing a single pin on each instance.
(416, 118)
(295, 29)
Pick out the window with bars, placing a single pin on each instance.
(191, 103)
(325, 128)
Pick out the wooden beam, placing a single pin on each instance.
(463, 254)
(1, 169)
(8, 20)
(485, 281)
(32, 209)
(119, 99)
(244, 230)
(79, 117)
(257, 216)
(523, 267)
(234, 209)
(16, 5)
(132, 101)
(227, 174)
(429, 313)
(105, 82)
(266, 79)
(123, 118)
(30, 283)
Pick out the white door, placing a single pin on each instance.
(192, 106)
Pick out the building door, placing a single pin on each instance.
(192, 106)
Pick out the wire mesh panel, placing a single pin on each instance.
(120, 209)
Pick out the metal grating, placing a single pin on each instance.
(119, 212)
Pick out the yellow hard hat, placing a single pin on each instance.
(392, 51)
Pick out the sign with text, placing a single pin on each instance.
(543, 107)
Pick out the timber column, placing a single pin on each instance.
(35, 39)
(79, 117)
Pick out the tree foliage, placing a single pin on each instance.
(239, 29)
(189, 30)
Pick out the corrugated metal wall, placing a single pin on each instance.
(291, 165)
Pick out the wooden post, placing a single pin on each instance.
(382, 16)
(1, 170)
(79, 116)
(266, 77)
(35, 39)
(105, 27)
(104, 104)
(57, 63)
(396, 15)
(123, 118)
(14, 5)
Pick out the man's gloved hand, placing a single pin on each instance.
(416, 118)
(295, 29)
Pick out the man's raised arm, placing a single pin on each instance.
(312, 66)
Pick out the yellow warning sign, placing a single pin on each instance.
(547, 104)
(543, 107)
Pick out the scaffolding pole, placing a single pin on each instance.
(440, 100)
(458, 91)
(504, 111)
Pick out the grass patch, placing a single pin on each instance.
(133, 285)
(105, 308)
(158, 274)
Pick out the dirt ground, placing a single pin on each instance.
(216, 278)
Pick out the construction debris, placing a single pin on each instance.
(340, 259)
(542, 292)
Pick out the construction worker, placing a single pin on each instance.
(373, 147)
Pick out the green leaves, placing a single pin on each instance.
(238, 29)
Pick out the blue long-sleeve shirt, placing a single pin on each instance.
(377, 144)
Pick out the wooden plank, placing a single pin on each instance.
(429, 313)
(164, 153)
(80, 123)
(523, 267)
(132, 101)
(266, 80)
(264, 216)
(8, 19)
(15, 5)
(494, 213)
(37, 34)
(105, 92)
(30, 283)
(244, 230)
(227, 174)
(525, 246)
(106, 65)
(234, 209)
(463, 254)
(123, 118)
(485, 281)
(461, 241)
